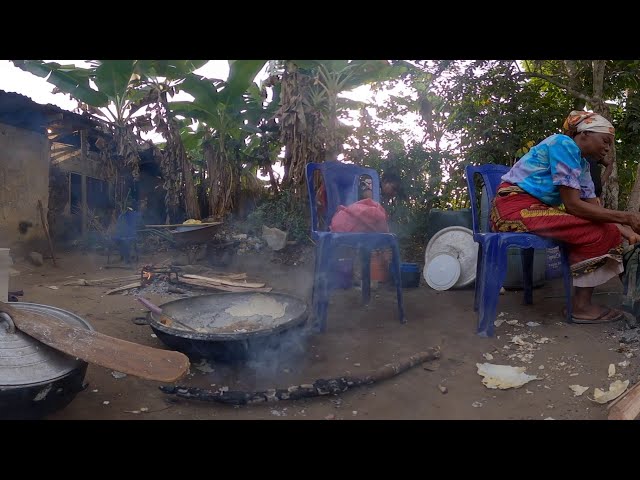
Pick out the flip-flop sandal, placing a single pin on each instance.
(615, 318)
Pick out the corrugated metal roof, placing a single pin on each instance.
(22, 112)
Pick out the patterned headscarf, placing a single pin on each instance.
(580, 121)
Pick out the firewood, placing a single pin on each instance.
(124, 287)
(229, 276)
(318, 388)
(100, 281)
(217, 286)
(223, 281)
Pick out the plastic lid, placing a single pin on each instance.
(442, 272)
(458, 242)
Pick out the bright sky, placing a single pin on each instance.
(12, 79)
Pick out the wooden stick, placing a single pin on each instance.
(318, 388)
(124, 287)
(230, 276)
(184, 225)
(224, 281)
(100, 281)
(224, 288)
(627, 406)
(163, 318)
(45, 227)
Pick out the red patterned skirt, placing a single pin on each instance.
(590, 243)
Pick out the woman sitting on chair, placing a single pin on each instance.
(550, 192)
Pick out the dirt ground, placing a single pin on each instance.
(358, 339)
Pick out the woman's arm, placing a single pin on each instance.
(591, 211)
(626, 231)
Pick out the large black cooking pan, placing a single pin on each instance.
(229, 327)
(36, 380)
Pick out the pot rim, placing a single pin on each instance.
(231, 336)
(18, 375)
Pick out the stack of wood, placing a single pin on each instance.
(115, 282)
(225, 282)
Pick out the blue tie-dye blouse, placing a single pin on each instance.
(553, 162)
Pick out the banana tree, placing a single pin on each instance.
(224, 109)
(311, 107)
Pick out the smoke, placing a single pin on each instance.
(271, 359)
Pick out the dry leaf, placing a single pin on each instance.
(503, 376)
(616, 389)
(578, 390)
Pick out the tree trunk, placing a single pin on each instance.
(301, 129)
(212, 177)
(574, 83)
(611, 190)
(333, 149)
(272, 179)
(634, 195)
(223, 177)
(176, 149)
(190, 194)
(633, 204)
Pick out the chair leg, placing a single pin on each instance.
(395, 270)
(568, 282)
(494, 260)
(526, 257)
(320, 285)
(479, 279)
(315, 293)
(365, 260)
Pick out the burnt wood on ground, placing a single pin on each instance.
(318, 388)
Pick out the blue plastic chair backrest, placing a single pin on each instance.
(491, 177)
(341, 182)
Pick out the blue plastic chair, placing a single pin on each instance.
(492, 253)
(341, 184)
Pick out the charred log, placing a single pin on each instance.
(318, 388)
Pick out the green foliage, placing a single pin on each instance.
(283, 211)
(67, 78)
(421, 184)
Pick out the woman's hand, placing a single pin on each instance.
(633, 221)
(631, 236)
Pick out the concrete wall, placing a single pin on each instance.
(24, 179)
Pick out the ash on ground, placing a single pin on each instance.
(161, 287)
